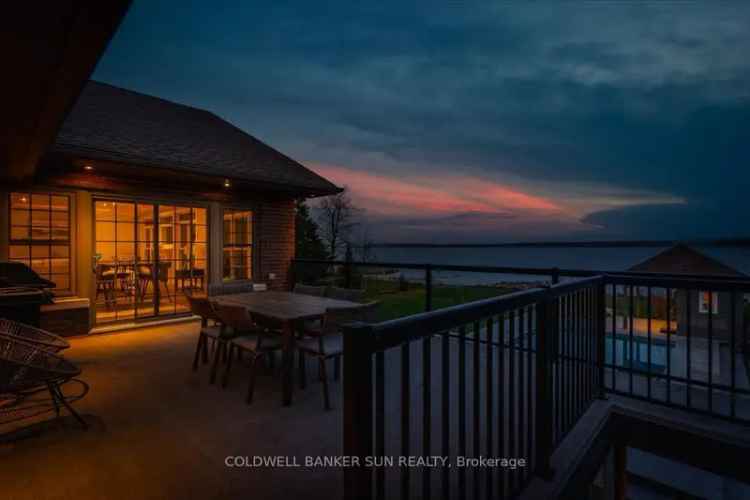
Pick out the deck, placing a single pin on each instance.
(160, 431)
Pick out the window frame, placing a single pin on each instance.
(50, 242)
(252, 245)
(703, 302)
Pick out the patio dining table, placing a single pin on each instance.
(289, 309)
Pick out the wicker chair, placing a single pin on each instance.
(25, 333)
(317, 291)
(350, 294)
(25, 368)
(249, 338)
(328, 343)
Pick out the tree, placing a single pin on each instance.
(336, 220)
(365, 246)
(308, 242)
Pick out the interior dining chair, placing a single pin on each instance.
(105, 283)
(247, 337)
(327, 343)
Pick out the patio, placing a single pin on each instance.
(158, 430)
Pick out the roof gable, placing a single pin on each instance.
(683, 259)
(115, 124)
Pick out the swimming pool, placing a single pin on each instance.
(636, 353)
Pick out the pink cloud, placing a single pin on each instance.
(383, 195)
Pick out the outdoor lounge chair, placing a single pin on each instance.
(26, 369)
(327, 342)
(247, 337)
(26, 333)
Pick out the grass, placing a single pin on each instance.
(395, 303)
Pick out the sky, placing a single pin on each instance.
(477, 121)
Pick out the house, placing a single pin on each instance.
(139, 198)
(699, 305)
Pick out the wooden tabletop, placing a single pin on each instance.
(284, 306)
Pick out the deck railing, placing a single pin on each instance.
(511, 375)
(679, 342)
(502, 377)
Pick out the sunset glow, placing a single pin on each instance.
(383, 195)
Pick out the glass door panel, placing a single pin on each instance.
(145, 230)
(147, 255)
(123, 288)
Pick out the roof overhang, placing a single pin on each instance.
(104, 175)
(49, 51)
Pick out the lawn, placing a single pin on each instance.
(396, 303)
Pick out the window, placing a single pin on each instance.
(40, 235)
(703, 302)
(238, 244)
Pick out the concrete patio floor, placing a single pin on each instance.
(158, 430)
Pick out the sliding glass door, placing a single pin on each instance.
(146, 256)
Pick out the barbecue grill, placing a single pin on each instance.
(22, 293)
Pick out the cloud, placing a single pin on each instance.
(384, 195)
(578, 112)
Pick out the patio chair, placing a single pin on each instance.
(201, 306)
(229, 288)
(248, 338)
(26, 333)
(328, 343)
(26, 369)
(350, 294)
(317, 291)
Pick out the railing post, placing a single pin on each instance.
(348, 267)
(547, 329)
(601, 333)
(358, 408)
(292, 274)
(555, 276)
(428, 287)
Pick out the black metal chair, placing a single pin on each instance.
(327, 343)
(27, 368)
(26, 333)
(248, 337)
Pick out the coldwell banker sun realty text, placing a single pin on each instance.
(373, 461)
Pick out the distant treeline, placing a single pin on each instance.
(733, 242)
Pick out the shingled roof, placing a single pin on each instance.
(684, 259)
(114, 124)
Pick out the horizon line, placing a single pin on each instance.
(589, 243)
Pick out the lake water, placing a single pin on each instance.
(593, 258)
